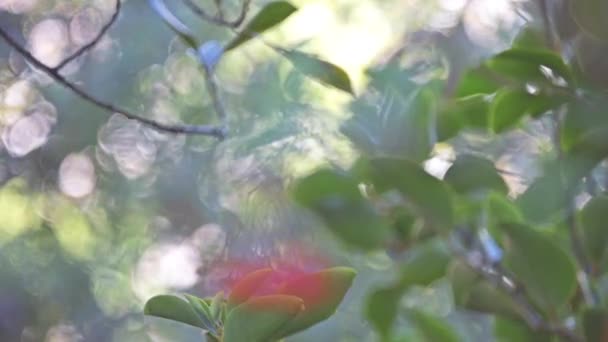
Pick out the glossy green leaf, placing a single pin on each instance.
(432, 328)
(427, 194)
(507, 330)
(336, 198)
(593, 223)
(260, 318)
(271, 15)
(320, 70)
(471, 173)
(510, 105)
(595, 324)
(173, 308)
(531, 65)
(527, 252)
(203, 311)
(322, 293)
(247, 286)
(590, 15)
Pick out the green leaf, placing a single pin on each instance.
(510, 105)
(590, 15)
(381, 309)
(175, 24)
(217, 306)
(271, 15)
(465, 112)
(432, 328)
(593, 223)
(527, 252)
(260, 318)
(173, 308)
(427, 263)
(426, 193)
(322, 293)
(530, 38)
(203, 311)
(247, 286)
(531, 65)
(477, 81)
(507, 330)
(471, 173)
(319, 69)
(336, 198)
(595, 324)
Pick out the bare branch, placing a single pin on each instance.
(215, 97)
(93, 42)
(219, 19)
(210, 130)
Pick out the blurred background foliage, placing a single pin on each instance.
(98, 213)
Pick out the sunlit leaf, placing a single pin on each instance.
(320, 70)
(173, 308)
(260, 318)
(527, 252)
(531, 65)
(271, 15)
(336, 198)
(322, 293)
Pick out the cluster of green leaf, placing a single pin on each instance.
(294, 305)
(387, 199)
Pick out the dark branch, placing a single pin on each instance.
(219, 18)
(93, 42)
(210, 130)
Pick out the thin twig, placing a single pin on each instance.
(210, 130)
(93, 42)
(219, 18)
(496, 275)
(215, 97)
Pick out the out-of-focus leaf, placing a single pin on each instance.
(593, 223)
(175, 24)
(429, 196)
(202, 310)
(477, 81)
(531, 65)
(530, 38)
(322, 293)
(258, 319)
(381, 309)
(507, 330)
(510, 105)
(217, 306)
(247, 286)
(427, 263)
(336, 198)
(527, 252)
(585, 129)
(320, 70)
(431, 327)
(595, 324)
(470, 173)
(271, 15)
(590, 15)
(173, 308)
